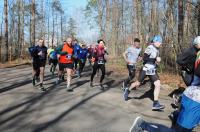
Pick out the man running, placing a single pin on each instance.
(90, 52)
(151, 60)
(39, 61)
(131, 56)
(54, 60)
(76, 48)
(82, 58)
(48, 54)
(99, 62)
(66, 62)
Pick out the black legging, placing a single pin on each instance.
(75, 63)
(81, 66)
(131, 70)
(103, 70)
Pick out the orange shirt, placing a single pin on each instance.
(68, 57)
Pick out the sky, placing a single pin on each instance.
(74, 9)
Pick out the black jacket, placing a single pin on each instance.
(187, 59)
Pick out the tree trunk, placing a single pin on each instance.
(33, 23)
(57, 31)
(186, 23)
(48, 23)
(1, 38)
(198, 9)
(19, 29)
(180, 23)
(61, 26)
(6, 30)
(154, 18)
(100, 15)
(22, 32)
(107, 27)
(52, 40)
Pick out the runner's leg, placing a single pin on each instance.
(42, 74)
(103, 71)
(69, 72)
(131, 75)
(95, 67)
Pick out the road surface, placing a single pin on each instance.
(24, 108)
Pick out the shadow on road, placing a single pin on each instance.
(147, 94)
(22, 83)
(30, 103)
(79, 83)
(42, 127)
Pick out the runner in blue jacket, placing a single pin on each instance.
(82, 57)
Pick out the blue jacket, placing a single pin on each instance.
(53, 55)
(77, 48)
(83, 54)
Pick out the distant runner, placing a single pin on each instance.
(39, 61)
(66, 62)
(98, 58)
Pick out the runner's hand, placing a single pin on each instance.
(40, 53)
(139, 59)
(128, 62)
(158, 59)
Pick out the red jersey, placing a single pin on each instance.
(68, 57)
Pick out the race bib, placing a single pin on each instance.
(151, 71)
(69, 56)
(100, 60)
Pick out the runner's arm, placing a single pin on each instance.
(139, 57)
(60, 52)
(147, 59)
(125, 56)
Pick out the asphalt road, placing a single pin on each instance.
(24, 108)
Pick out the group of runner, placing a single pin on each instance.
(70, 57)
(187, 116)
(151, 60)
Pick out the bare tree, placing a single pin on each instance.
(180, 23)
(100, 17)
(198, 10)
(6, 30)
(33, 23)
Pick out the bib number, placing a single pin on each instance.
(100, 60)
(151, 71)
(68, 56)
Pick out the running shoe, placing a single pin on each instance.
(42, 87)
(102, 87)
(157, 106)
(57, 81)
(136, 127)
(33, 81)
(91, 84)
(69, 89)
(126, 93)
